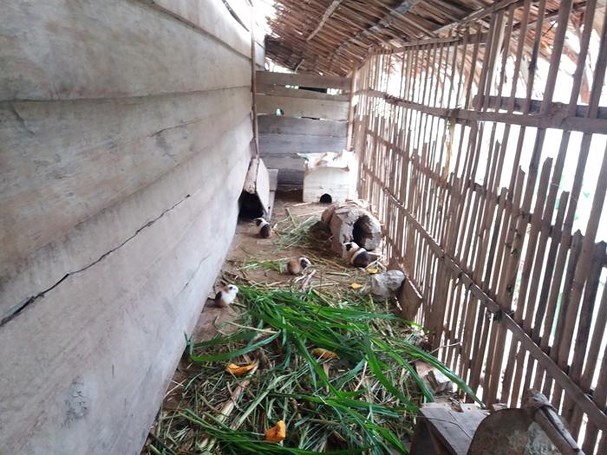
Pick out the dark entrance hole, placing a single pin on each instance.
(362, 230)
(250, 206)
(326, 199)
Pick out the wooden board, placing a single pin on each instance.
(534, 107)
(273, 173)
(260, 55)
(281, 136)
(45, 265)
(455, 430)
(66, 52)
(81, 157)
(125, 129)
(299, 93)
(305, 80)
(241, 11)
(410, 300)
(257, 182)
(294, 107)
(291, 170)
(278, 124)
(210, 16)
(108, 337)
(291, 144)
(290, 179)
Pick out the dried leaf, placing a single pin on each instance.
(277, 433)
(324, 353)
(356, 285)
(237, 370)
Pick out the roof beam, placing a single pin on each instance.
(479, 14)
(385, 22)
(330, 10)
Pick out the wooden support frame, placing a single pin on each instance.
(296, 114)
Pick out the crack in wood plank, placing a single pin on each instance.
(19, 308)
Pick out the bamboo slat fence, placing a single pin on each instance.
(487, 165)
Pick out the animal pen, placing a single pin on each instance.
(127, 128)
(482, 148)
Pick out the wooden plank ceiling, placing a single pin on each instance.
(334, 36)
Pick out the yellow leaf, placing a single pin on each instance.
(324, 353)
(237, 370)
(372, 271)
(277, 433)
(356, 286)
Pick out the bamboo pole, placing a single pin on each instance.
(591, 365)
(571, 412)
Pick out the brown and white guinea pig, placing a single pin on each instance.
(265, 230)
(226, 295)
(297, 266)
(356, 255)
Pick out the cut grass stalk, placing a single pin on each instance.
(298, 234)
(226, 410)
(362, 402)
(276, 265)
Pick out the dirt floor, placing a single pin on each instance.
(247, 248)
(261, 263)
(255, 260)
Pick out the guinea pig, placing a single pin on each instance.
(357, 256)
(265, 230)
(226, 295)
(296, 266)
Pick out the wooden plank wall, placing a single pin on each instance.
(125, 136)
(312, 122)
(490, 180)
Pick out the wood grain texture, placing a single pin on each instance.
(284, 136)
(210, 16)
(299, 93)
(80, 157)
(454, 429)
(277, 124)
(108, 49)
(125, 135)
(97, 351)
(296, 107)
(306, 80)
(290, 170)
(291, 144)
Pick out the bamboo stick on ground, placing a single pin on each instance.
(226, 410)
